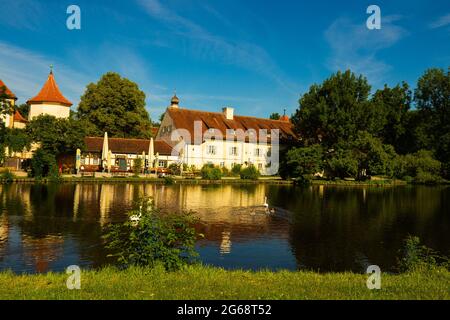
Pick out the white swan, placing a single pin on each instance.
(265, 204)
(136, 217)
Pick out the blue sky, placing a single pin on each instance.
(257, 56)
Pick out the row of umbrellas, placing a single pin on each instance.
(107, 155)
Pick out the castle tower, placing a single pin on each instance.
(49, 101)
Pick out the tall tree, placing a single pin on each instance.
(334, 110)
(115, 105)
(432, 97)
(393, 105)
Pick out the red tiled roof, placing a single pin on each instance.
(184, 119)
(127, 146)
(19, 118)
(50, 93)
(284, 118)
(154, 131)
(6, 90)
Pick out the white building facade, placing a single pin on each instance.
(222, 138)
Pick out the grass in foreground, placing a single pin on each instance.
(200, 282)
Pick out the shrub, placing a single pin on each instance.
(302, 161)
(167, 239)
(7, 176)
(225, 172)
(137, 166)
(421, 166)
(175, 169)
(236, 170)
(342, 165)
(210, 172)
(250, 173)
(43, 164)
(416, 256)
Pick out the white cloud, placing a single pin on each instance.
(355, 47)
(441, 22)
(207, 46)
(24, 72)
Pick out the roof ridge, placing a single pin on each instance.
(220, 113)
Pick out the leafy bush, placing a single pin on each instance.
(302, 161)
(342, 165)
(167, 239)
(137, 166)
(210, 172)
(175, 169)
(416, 256)
(225, 172)
(236, 170)
(43, 164)
(7, 176)
(421, 166)
(250, 173)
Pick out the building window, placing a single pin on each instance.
(222, 164)
(161, 164)
(212, 150)
(233, 151)
(257, 152)
(260, 166)
(96, 161)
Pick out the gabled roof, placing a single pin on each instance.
(19, 118)
(185, 118)
(50, 93)
(6, 90)
(127, 146)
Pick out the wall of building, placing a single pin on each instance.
(55, 110)
(227, 154)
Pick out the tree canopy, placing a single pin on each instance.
(362, 135)
(115, 105)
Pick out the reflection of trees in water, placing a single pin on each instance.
(348, 228)
(333, 228)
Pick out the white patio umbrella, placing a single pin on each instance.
(105, 152)
(151, 152)
(143, 161)
(108, 161)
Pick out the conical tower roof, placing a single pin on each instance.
(50, 93)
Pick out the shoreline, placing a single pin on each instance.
(223, 181)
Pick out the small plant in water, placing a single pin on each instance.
(149, 238)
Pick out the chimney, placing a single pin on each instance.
(228, 112)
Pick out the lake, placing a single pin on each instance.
(47, 227)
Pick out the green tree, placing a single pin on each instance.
(432, 97)
(361, 158)
(302, 161)
(335, 110)
(275, 116)
(115, 105)
(57, 135)
(393, 105)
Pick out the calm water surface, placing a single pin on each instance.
(49, 227)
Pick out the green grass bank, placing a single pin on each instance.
(201, 282)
